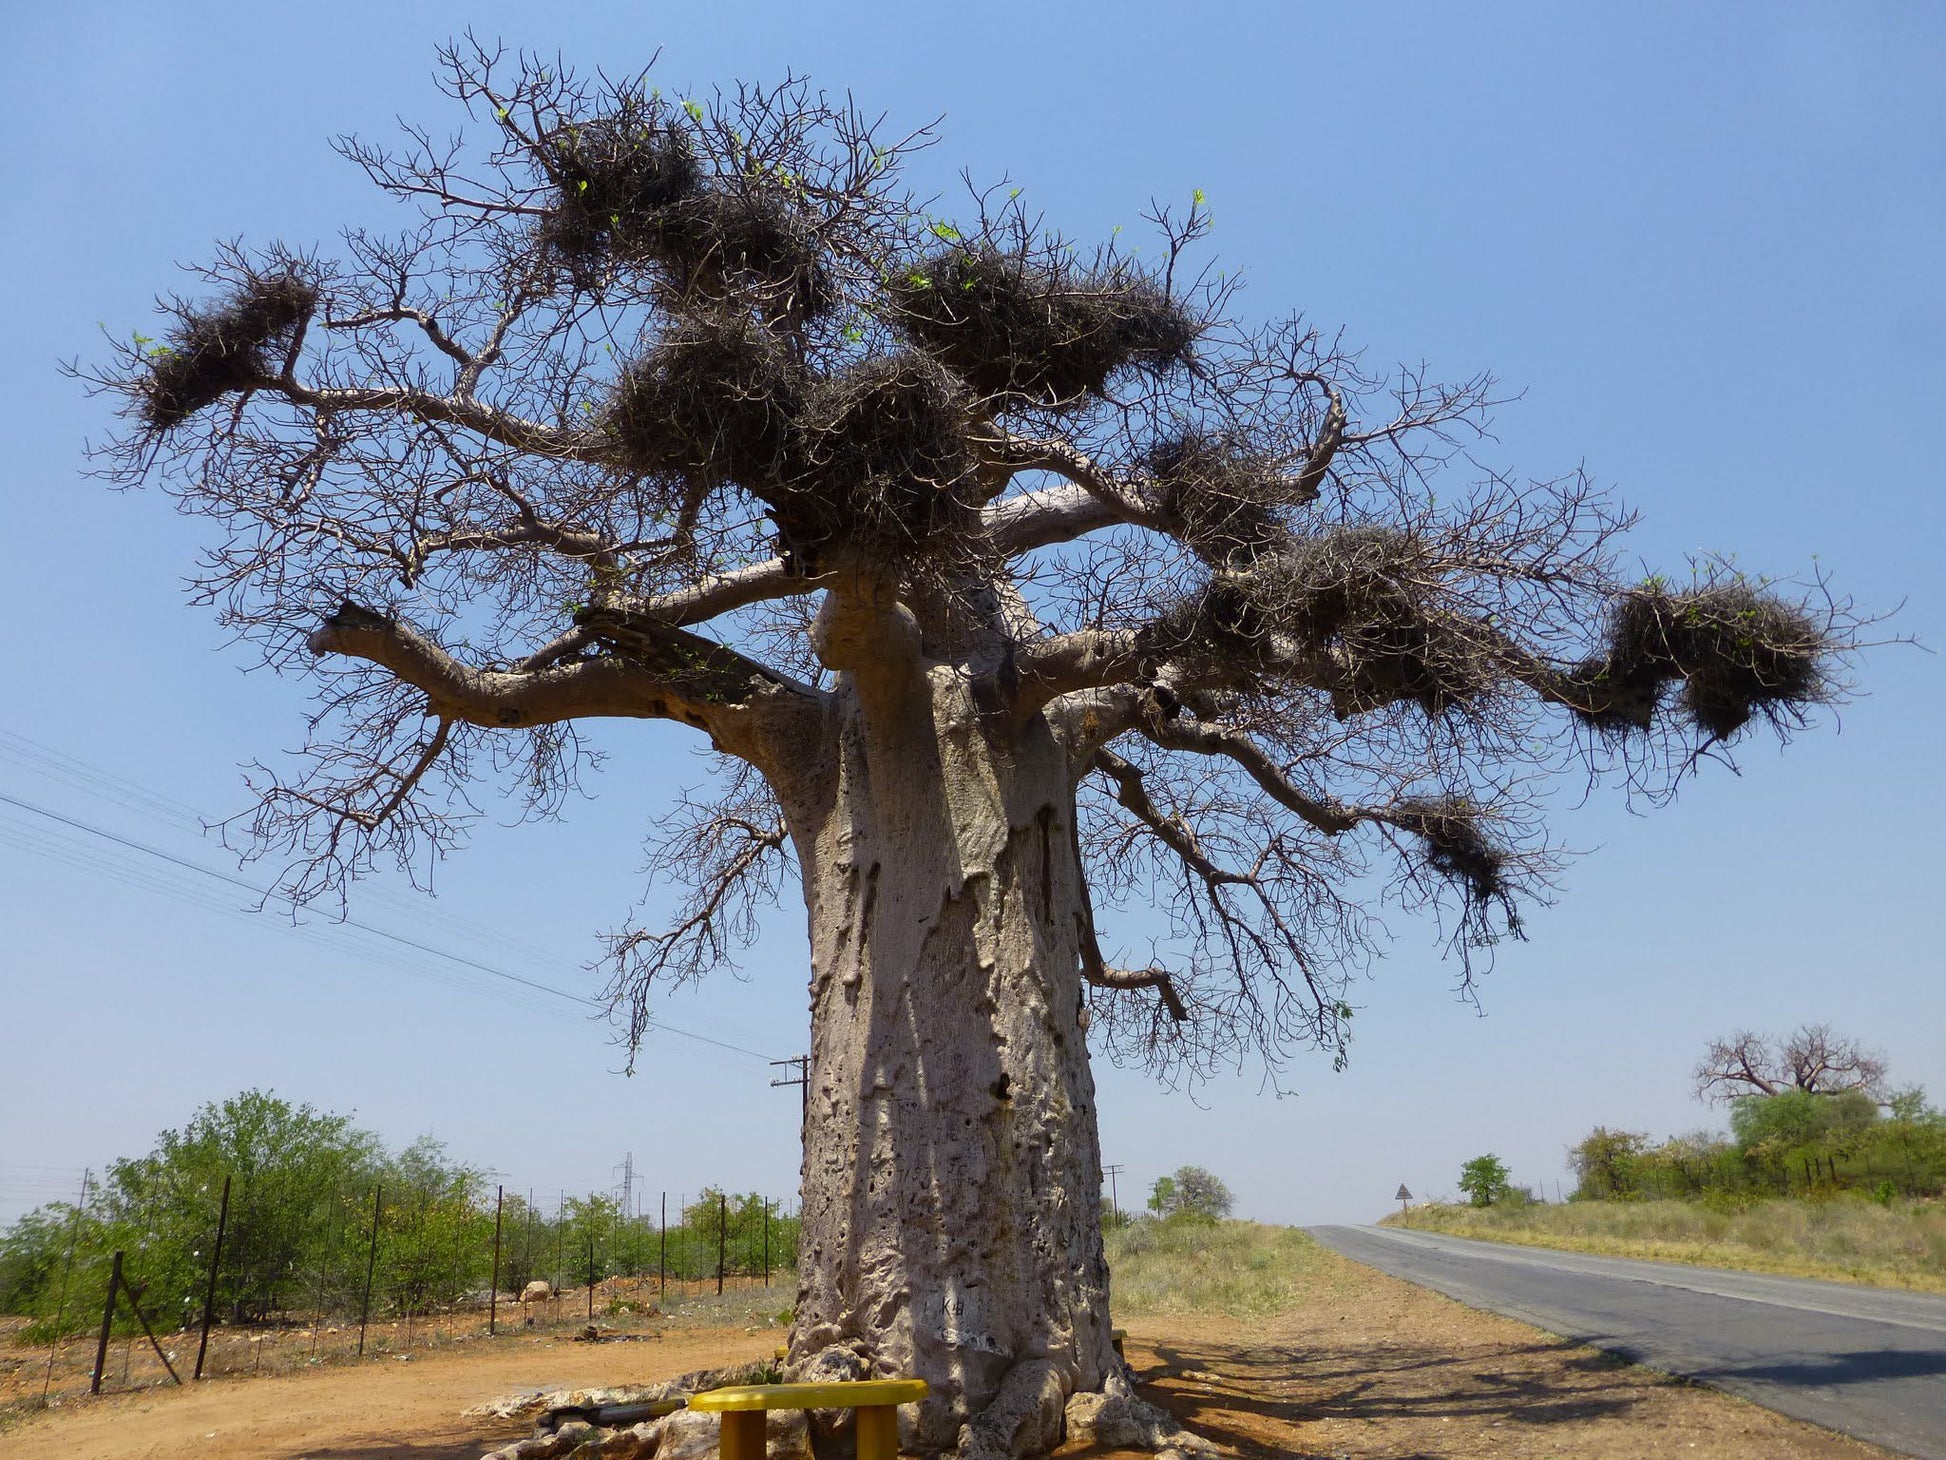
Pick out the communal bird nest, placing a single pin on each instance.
(629, 190)
(1458, 849)
(875, 455)
(1036, 324)
(1363, 609)
(713, 400)
(1740, 652)
(742, 235)
(613, 175)
(1219, 496)
(225, 348)
(1370, 600)
(881, 461)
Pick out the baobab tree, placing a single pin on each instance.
(1814, 1058)
(1013, 583)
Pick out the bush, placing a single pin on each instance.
(1484, 1180)
(1191, 1194)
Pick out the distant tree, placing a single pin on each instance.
(1814, 1059)
(286, 1162)
(588, 1228)
(1011, 582)
(1909, 1103)
(1484, 1180)
(435, 1231)
(1604, 1162)
(1191, 1192)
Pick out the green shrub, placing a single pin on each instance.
(1484, 1180)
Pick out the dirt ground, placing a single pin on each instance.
(1370, 1367)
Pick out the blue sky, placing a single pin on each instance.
(1704, 241)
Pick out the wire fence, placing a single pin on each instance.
(248, 1282)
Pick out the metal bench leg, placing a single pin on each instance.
(878, 1432)
(743, 1435)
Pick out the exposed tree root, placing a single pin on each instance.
(1115, 1415)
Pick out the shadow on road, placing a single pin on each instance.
(1863, 1366)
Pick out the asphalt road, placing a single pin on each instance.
(1868, 1362)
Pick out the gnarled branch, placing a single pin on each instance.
(673, 676)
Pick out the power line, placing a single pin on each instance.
(262, 895)
(92, 780)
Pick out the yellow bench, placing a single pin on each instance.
(876, 1400)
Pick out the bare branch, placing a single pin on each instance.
(1814, 1058)
(678, 677)
(1178, 734)
(730, 852)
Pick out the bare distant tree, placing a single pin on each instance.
(1814, 1058)
(1013, 585)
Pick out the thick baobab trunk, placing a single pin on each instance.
(952, 1172)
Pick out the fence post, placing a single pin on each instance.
(591, 1277)
(493, 1298)
(107, 1321)
(209, 1293)
(662, 1259)
(766, 1241)
(722, 1236)
(371, 1267)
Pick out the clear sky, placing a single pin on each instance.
(1705, 241)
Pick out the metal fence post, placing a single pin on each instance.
(722, 1236)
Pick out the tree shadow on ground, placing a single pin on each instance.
(1253, 1397)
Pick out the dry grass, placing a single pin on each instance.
(1845, 1239)
(1239, 1269)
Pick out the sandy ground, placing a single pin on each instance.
(1369, 1367)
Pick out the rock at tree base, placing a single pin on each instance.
(684, 1435)
(1116, 1417)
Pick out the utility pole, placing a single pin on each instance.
(802, 1064)
(1114, 1192)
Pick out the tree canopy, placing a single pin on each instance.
(678, 407)
(1814, 1059)
(1191, 1192)
(1485, 1181)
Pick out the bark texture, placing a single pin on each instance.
(952, 1225)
